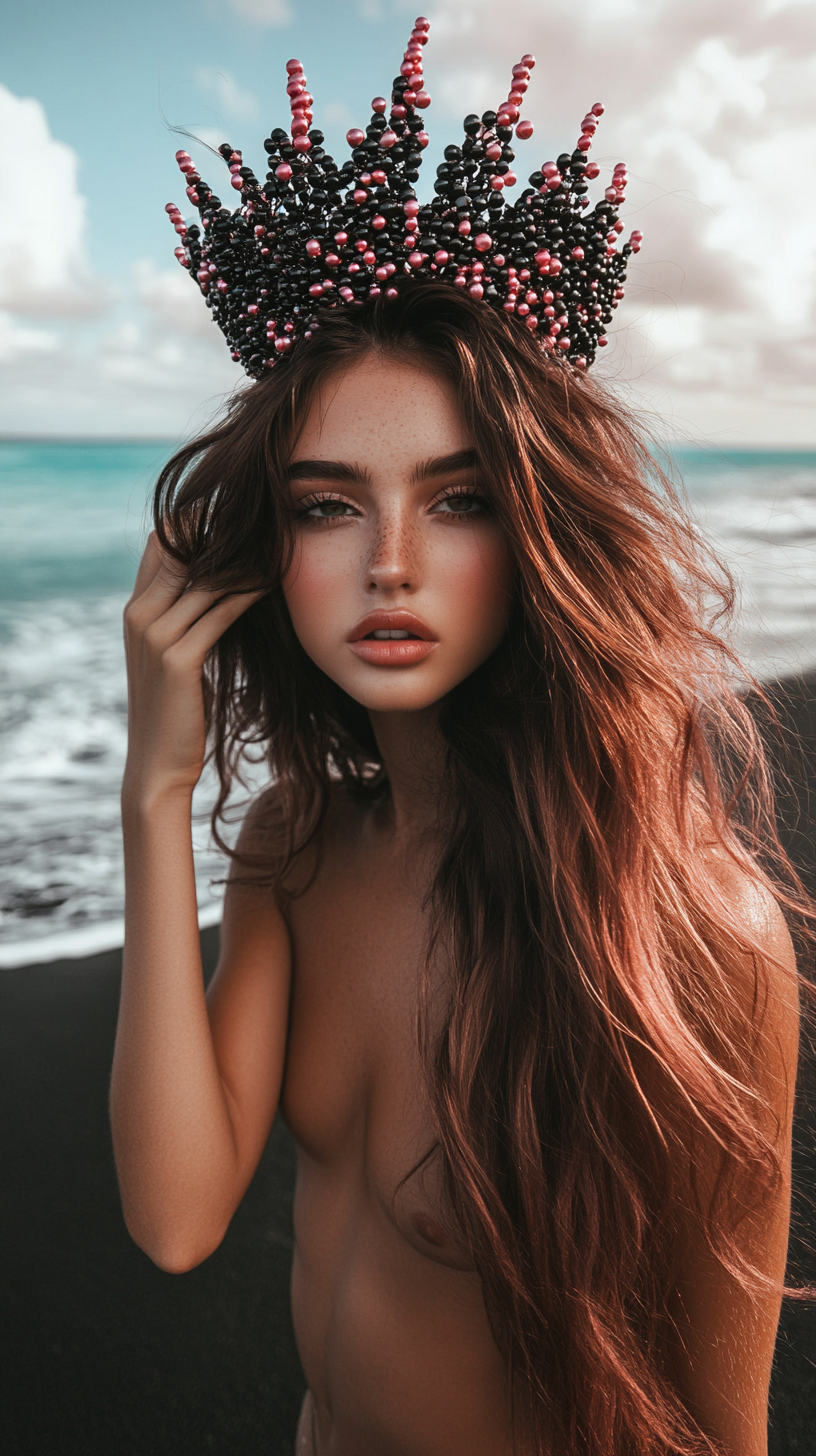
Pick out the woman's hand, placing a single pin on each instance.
(169, 629)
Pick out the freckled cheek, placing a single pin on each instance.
(315, 587)
(475, 580)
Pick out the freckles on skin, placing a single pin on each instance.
(406, 541)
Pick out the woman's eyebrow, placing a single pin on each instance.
(341, 470)
(323, 470)
(445, 464)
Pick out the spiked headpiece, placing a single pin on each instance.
(316, 236)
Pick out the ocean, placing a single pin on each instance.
(72, 522)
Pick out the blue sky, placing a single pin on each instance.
(712, 103)
(112, 76)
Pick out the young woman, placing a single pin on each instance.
(432, 579)
(500, 940)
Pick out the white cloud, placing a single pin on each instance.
(43, 268)
(713, 105)
(263, 12)
(149, 372)
(162, 371)
(17, 340)
(227, 93)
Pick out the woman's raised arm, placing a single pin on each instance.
(193, 1094)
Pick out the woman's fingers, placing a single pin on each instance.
(205, 629)
(148, 566)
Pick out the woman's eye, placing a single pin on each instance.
(323, 510)
(461, 504)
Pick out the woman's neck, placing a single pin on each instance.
(413, 755)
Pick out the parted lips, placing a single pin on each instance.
(316, 236)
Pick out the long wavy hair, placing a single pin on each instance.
(595, 1039)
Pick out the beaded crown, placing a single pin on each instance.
(314, 235)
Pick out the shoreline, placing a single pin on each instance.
(103, 1353)
(791, 693)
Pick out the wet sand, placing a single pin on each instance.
(103, 1355)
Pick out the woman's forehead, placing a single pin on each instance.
(383, 406)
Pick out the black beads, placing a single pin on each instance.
(316, 237)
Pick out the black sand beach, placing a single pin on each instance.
(103, 1355)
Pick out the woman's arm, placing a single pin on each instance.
(724, 1338)
(193, 1094)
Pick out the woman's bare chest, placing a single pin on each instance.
(354, 1091)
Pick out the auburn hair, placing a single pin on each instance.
(594, 1040)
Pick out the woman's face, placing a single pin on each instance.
(401, 581)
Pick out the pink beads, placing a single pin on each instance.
(416, 259)
(476, 291)
(441, 258)
(313, 248)
(378, 223)
(482, 242)
(411, 208)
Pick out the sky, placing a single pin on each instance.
(712, 104)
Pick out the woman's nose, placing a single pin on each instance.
(393, 562)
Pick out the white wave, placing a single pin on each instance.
(71, 945)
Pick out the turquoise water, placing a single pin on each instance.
(73, 519)
(72, 515)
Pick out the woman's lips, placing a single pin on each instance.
(393, 652)
(390, 651)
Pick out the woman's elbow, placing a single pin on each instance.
(173, 1250)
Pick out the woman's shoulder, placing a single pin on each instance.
(766, 979)
(746, 894)
(285, 843)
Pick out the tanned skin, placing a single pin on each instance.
(312, 1007)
